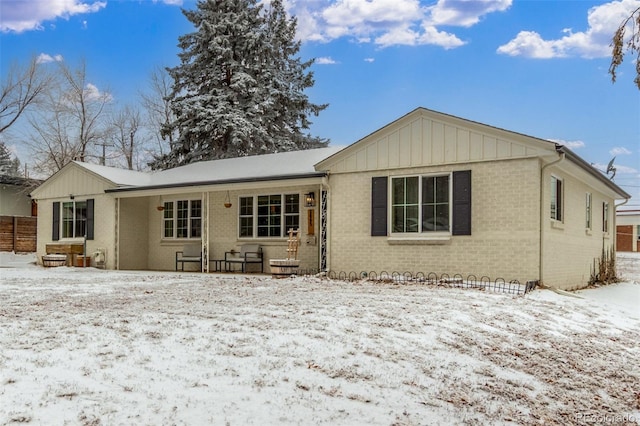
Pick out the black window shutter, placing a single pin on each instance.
(462, 203)
(90, 221)
(55, 235)
(379, 206)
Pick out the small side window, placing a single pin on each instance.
(588, 214)
(556, 199)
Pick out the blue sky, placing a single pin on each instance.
(534, 67)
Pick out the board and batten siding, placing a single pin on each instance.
(419, 140)
(72, 180)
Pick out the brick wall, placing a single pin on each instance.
(569, 247)
(505, 223)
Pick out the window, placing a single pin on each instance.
(420, 204)
(291, 212)
(556, 199)
(588, 211)
(605, 217)
(74, 219)
(405, 205)
(182, 219)
(264, 216)
(246, 217)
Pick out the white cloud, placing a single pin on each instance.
(93, 93)
(464, 13)
(44, 58)
(620, 150)
(370, 60)
(602, 22)
(170, 2)
(619, 169)
(569, 144)
(20, 16)
(389, 22)
(325, 61)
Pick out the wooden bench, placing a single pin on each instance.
(249, 253)
(71, 250)
(190, 253)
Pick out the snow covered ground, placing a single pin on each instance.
(93, 347)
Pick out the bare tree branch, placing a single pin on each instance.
(22, 87)
(69, 120)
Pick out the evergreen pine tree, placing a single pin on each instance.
(8, 166)
(238, 89)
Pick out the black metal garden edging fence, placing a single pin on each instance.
(499, 285)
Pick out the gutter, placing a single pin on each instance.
(542, 213)
(216, 182)
(592, 171)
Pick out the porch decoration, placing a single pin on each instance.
(282, 268)
(53, 260)
(310, 199)
(227, 201)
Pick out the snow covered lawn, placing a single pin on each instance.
(96, 347)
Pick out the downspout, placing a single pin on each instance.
(542, 216)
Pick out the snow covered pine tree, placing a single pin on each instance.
(239, 88)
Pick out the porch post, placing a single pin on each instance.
(205, 232)
(324, 229)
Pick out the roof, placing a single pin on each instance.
(628, 212)
(284, 165)
(573, 157)
(295, 164)
(545, 144)
(120, 177)
(19, 181)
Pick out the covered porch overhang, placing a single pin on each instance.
(141, 245)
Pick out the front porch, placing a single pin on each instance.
(151, 228)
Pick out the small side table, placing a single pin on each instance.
(217, 265)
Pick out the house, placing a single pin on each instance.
(628, 230)
(14, 196)
(429, 192)
(140, 220)
(17, 214)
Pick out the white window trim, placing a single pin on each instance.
(588, 213)
(606, 218)
(435, 237)
(554, 219)
(73, 226)
(283, 215)
(175, 220)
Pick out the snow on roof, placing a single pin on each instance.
(293, 163)
(121, 177)
(290, 163)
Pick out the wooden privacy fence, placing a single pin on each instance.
(18, 234)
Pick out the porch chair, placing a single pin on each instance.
(249, 253)
(189, 253)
